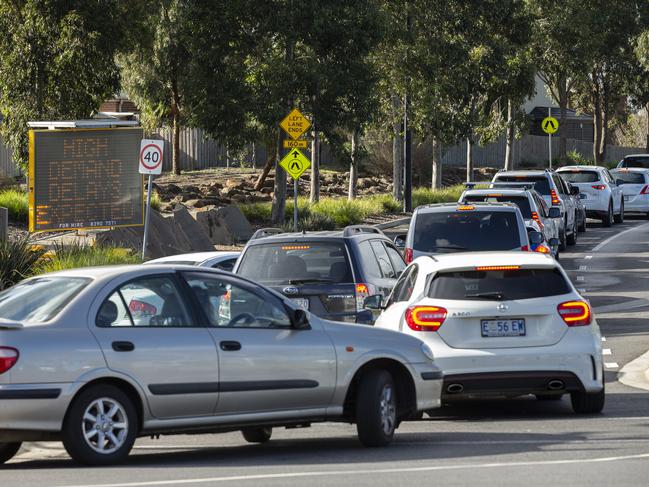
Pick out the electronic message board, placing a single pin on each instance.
(84, 178)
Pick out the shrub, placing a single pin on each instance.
(76, 255)
(256, 212)
(156, 201)
(427, 196)
(18, 259)
(16, 202)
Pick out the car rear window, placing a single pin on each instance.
(295, 263)
(578, 176)
(456, 231)
(38, 300)
(629, 177)
(540, 182)
(636, 161)
(498, 285)
(522, 202)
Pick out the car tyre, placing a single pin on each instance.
(549, 397)
(572, 238)
(8, 451)
(257, 435)
(562, 239)
(582, 225)
(608, 218)
(588, 402)
(376, 409)
(113, 417)
(620, 218)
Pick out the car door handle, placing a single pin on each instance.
(123, 346)
(230, 346)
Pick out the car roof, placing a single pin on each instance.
(636, 155)
(323, 235)
(489, 258)
(110, 271)
(582, 166)
(630, 169)
(500, 191)
(195, 256)
(479, 205)
(531, 172)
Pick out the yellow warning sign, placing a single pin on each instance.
(550, 125)
(295, 124)
(295, 144)
(295, 163)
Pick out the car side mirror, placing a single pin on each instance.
(535, 237)
(554, 242)
(574, 190)
(373, 302)
(300, 320)
(400, 241)
(554, 211)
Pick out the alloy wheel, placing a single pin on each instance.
(105, 425)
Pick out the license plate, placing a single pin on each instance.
(626, 197)
(301, 302)
(503, 328)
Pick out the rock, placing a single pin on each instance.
(189, 233)
(266, 190)
(171, 189)
(229, 192)
(225, 226)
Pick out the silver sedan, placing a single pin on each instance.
(96, 357)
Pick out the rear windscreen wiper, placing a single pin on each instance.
(450, 247)
(492, 295)
(307, 280)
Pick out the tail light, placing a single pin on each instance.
(542, 249)
(142, 308)
(525, 248)
(645, 190)
(497, 268)
(554, 198)
(599, 186)
(407, 255)
(575, 313)
(535, 217)
(8, 358)
(362, 291)
(425, 318)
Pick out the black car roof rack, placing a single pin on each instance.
(266, 232)
(515, 184)
(472, 184)
(351, 230)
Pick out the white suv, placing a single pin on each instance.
(598, 191)
(501, 324)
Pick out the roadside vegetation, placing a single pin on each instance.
(15, 200)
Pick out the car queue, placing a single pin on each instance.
(471, 302)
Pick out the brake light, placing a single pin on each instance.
(554, 198)
(535, 217)
(362, 292)
(407, 255)
(425, 318)
(645, 190)
(8, 358)
(525, 248)
(542, 249)
(137, 306)
(599, 186)
(466, 208)
(575, 313)
(498, 268)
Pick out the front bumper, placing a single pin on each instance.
(428, 381)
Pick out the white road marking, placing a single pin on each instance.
(583, 267)
(588, 257)
(613, 237)
(603, 339)
(607, 351)
(341, 473)
(611, 365)
(581, 278)
(581, 290)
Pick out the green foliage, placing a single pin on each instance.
(574, 158)
(18, 259)
(156, 201)
(427, 196)
(15, 200)
(76, 255)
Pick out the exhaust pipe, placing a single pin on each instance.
(454, 388)
(555, 385)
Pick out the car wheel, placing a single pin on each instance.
(572, 238)
(620, 218)
(582, 225)
(562, 238)
(549, 397)
(376, 409)
(608, 219)
(8, 451)
(100, 426)
(257, 435)
(588, 403)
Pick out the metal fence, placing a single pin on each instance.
(7, 167)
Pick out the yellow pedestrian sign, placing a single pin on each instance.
(550, 125)
(295, 124)
(295, 163)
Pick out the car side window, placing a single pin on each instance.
(540, 203)
(387, 271)
(404, 286)
(225, 265)
(149, 301)
(557, 181)
(225, 304)
(368, 258)
(609, 177)
(397, 260)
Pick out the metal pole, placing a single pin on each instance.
(549, 143)
(295, 205)
(146, 216)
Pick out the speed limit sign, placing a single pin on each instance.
(151, 156)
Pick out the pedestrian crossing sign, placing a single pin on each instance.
(550, 125)
(295, 163)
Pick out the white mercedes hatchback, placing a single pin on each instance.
(501, 324)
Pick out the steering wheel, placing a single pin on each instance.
(244, 318)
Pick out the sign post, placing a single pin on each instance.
(150, 163)
(295, 163)
(550, 125)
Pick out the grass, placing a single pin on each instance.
(156, 202)
(331, 213)
(16, 202)
(75, 255)
(18, 260)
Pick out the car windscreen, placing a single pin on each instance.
(579, 176)
(629, 177)
(498, 285)
(522, 202)
(636, 161)
(296, 263)
(456, 231)
(38, 300)
(540, 182)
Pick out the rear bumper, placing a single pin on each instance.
(636, 204)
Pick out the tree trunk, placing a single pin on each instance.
(563, 116)
(397, 155)
(509, 147)
(315, 166)
(597, 123)
(270, 159)
(279, 194)
(175, 150)
(254, 155)
(606, 116)
(469, 159)
(353, 167)
(647, 110)
(437, 165)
